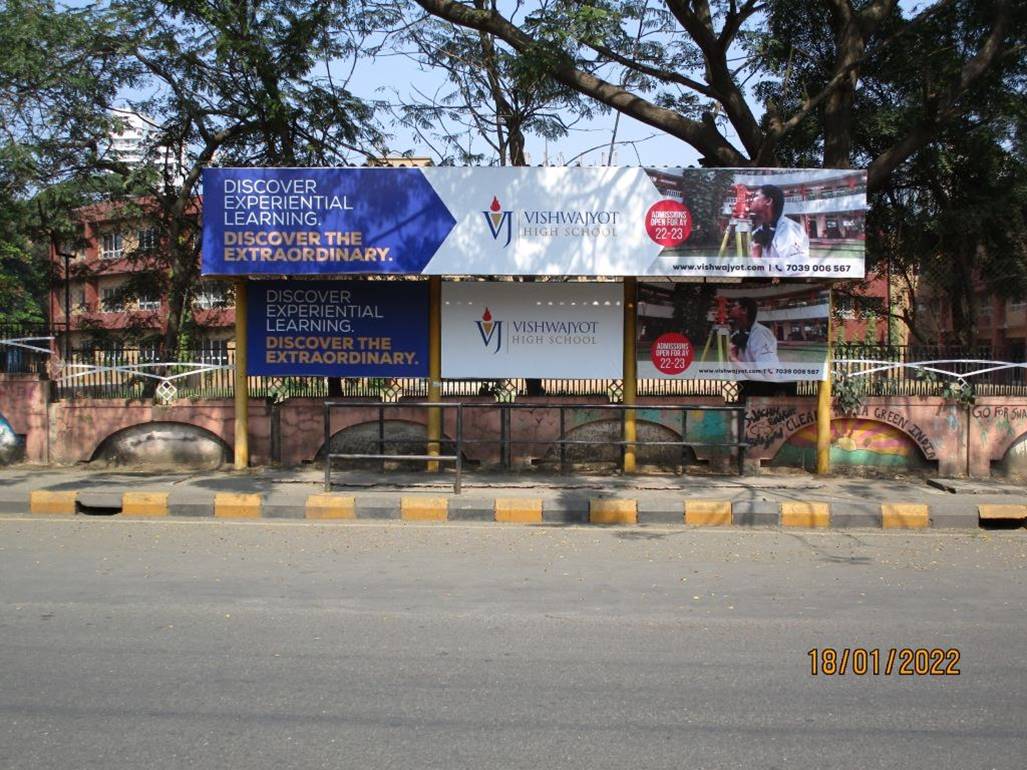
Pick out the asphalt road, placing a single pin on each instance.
(289, 644)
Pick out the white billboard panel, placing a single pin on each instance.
(557, 330)
(600, 222)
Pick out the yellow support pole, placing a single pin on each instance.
(824, 399)
(630, 381)
(242, 390)
(434, 367)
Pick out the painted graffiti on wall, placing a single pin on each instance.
(767, 426)
(1006, 420)
(854, 442)
(11, 444)
(1000, 413)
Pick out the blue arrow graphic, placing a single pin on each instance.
(298, 221)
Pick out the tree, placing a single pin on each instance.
(491, 95)
(947, 221)
(953, 225)
(930, 103)
(232, 84)
(696, 60)
(55, 87)
(220, 82)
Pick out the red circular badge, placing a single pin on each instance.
(672, 353)
(668, 222)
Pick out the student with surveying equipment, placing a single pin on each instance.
(752, 342)
(775, 236)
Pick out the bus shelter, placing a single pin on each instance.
(720, 274)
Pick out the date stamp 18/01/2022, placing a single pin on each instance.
(875, 661)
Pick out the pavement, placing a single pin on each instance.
(786, 499)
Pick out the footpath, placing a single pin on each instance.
(787, 500)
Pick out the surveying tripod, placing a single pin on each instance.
(721, 331)
(739, 224)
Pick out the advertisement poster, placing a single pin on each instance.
(746, 331)
(558, 330)
(719, 223)
(337, 328)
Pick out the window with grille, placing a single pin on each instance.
(110, 300)
(112, 246)
(214, 352)
(147, 238)
(148, 302)
(210, 296)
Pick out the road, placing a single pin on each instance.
(178, 643)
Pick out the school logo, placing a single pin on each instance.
(489, 330)
(500, 222)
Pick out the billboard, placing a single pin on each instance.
(558, 330)
(721, 223)
(337, 328)
(745, 331)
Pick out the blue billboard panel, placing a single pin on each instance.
(337, 328)
(296, 221)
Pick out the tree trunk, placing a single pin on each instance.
(838, 105)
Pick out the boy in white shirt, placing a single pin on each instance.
(775, 235)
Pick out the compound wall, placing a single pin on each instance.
(899, 434)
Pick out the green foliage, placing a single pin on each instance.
(849, 394)
(492, 95)
(218, 81)
(960, 391)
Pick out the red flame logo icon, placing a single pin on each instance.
(500, 222)
(487, 316)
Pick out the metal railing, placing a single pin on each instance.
(506, 439)
(129, 373)
(329, 455)
(884, 370)
(24, 349)
(926, 370)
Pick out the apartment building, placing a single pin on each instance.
(90, 305)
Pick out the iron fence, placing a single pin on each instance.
(24, 349)
(927, 370)
(882, 370)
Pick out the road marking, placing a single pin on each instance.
(808, 515)
(602, 511)
(488, 526)
(231, 505)
(518, 510)
(905, 516)
(423, 508)
(326, 506)
(144, 504)
(45, 502)
(990, 511)
(708, 513)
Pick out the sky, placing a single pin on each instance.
(395, 77)
(588, 144)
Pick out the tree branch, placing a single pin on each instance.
(706, 139)
(947, 107)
